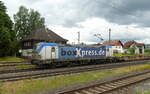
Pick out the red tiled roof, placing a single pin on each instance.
(129, 43)
(113, 43)
(140, 44)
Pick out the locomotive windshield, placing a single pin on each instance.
(36, 48)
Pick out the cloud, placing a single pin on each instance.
(69, 12)
(128, 19)
(101, 26)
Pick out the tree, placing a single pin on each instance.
(4, 41)
(4, 18)
(27, 20)
(35, 20)
(8, 36)
(2, 7)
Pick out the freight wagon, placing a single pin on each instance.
(53, 53)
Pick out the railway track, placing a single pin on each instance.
(112, 86)
(12, 67)
(18, 70)
(62, 71)
(3, 64)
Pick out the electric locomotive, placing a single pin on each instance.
(53, 53)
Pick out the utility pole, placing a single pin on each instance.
(79, 37)
(109, 35)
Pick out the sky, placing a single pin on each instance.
(127, 19)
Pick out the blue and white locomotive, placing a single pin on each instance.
(47, 53)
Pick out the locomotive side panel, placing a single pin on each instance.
(81, 52)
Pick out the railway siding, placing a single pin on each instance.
(108, 86)
(14, 64)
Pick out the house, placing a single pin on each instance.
(37, 36)
(115, 45)
(139, 47)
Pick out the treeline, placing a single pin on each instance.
(12, 33)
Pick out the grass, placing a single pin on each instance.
(147, 51)
(11, 59)
(123, 54)
(147, 92)
(24, 66)
(144, 92)
(44, 84)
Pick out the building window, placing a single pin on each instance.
(27, 44)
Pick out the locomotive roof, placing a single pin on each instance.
(68, 45)
(79, 45)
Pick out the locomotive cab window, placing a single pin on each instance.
(107, 49)
(53, 49)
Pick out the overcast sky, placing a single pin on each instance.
(128, 19)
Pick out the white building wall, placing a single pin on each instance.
(137, 49)
(143, 50)
(119, 49)
(27, 52)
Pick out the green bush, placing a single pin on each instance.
(131, 50)
(147, 51)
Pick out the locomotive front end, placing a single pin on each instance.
(36, 57)
(44, 53)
